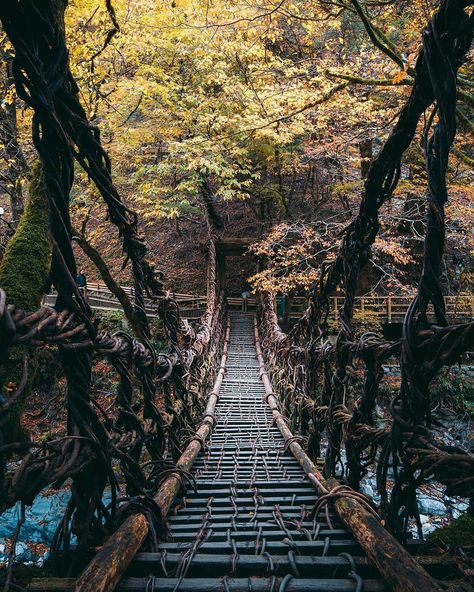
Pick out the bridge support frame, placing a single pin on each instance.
(104, 571)
(400, 570)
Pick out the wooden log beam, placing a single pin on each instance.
(104, 571)
(401, 572)
(233, 246)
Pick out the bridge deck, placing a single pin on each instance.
(245, 526)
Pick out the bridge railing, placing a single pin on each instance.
(391, 308)
(100, 298)
(386, 308)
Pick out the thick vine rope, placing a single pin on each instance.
(316, 380)
(87, 455)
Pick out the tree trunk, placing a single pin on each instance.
(365, 151)
(16, 166)
(23, 275)
(111, 284)
(208, 199)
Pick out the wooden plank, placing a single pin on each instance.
(256, 584)
(146, 563)
(219, 565)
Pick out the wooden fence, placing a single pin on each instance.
(389, 309)
(100, 298)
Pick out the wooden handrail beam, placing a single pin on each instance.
(389, 308)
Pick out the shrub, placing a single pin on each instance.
(459, 533)
(454, 391)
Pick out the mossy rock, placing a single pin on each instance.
(24, 574)
(459, 533)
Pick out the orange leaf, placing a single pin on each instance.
(399, 77)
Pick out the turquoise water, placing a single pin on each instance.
(42, 519)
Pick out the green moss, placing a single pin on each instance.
(23, 574)
(23, 273)
(113, 321)
(362, 321)
(25, 265)
(459, 533)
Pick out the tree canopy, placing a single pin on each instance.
(265, 113)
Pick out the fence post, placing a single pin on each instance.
(389, 308)
(335, 307)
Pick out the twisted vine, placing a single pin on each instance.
(61, 134)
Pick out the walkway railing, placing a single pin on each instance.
(390, 309)
(100, 298)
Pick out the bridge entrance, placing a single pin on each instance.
(235, 265)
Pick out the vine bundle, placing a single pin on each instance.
(314, 375)
(137, 444)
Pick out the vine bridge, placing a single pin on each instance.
(254, 512)
(232, 458)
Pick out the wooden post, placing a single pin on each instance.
(104, 571)
(399, 569)
(335, 307)
(389, 307)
